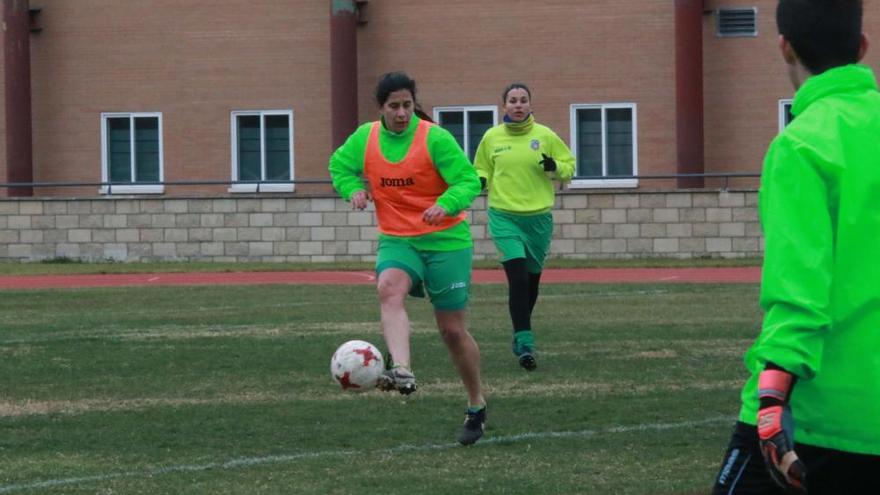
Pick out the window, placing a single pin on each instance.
(785, 115)
(604, 142)
(262, 151)
(467, 124)
(737, 22)
(131, 153)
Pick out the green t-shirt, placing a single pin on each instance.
(347, 169)
(509, 159)
(819, 204)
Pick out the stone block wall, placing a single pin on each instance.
(681, 224)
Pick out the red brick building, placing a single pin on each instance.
(257, 92)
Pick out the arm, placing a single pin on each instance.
(456, 170)
(796, 214)
(483, 162)
(347, 164)
(563, 158)
(798, 261)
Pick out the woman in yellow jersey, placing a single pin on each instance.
(517, 162)
(420, 182)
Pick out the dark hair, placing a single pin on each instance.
(824, 33)
(396, 81)
(391, 82)
(517, 85)
(421, 113)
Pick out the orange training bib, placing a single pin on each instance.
(402, 191)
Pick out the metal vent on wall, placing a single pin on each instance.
(737, 22)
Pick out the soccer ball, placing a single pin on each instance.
(356, 366)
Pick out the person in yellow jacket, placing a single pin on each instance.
(517, 162)
(421, 182)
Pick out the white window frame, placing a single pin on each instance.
(133, 188)
(253, 187)
(465, 109)
(782, 104)
(604, 183)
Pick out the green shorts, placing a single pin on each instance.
(444, 275)
(522, 236)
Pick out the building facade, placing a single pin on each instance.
(143, 98)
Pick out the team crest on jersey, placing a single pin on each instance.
(536, 145)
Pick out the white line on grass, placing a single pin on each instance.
(277, 459)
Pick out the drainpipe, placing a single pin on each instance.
(343, 69)
(689, 91)
(17, 95)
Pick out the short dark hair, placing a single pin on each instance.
(391, 82)
(824, 33)
(517, 85)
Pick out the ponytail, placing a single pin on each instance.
(421, 114)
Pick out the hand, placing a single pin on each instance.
(776, 430)
(360, 199)
(434, 215)
(548, 162)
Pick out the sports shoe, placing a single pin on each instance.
(397, 378)
(527, 361)
(472, 429)
(524, 349)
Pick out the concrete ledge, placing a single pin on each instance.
(682, 224)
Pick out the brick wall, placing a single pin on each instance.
(196, 62)
(683, 224)
(595, 52)
(3, 177)
(193, 62)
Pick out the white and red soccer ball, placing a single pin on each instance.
(356, 366)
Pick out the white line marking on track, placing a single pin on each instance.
(152, 279)
(278, 459)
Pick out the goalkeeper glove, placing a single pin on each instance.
(548, 163)
(776, 429)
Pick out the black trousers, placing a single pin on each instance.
(829, 472)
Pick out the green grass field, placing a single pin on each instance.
(226, 390)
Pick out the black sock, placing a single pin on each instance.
(518, 293)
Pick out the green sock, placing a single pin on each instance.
(475, 409)
(525, 337)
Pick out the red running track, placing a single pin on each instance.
(736, 275)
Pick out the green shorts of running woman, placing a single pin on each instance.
(522, 236)
(444, 275)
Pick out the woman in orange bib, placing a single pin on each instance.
(420, 182)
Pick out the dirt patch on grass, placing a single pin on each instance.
(15, 351)
(577, 389)
(436, 388)
(68, 407)
(655, 354)
(188, 332)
